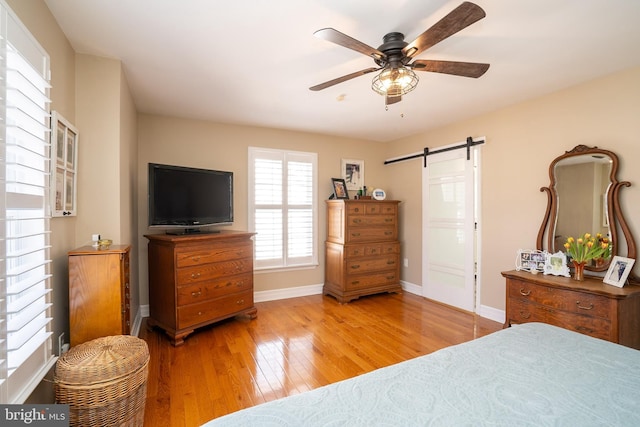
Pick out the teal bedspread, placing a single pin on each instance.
(527, 375)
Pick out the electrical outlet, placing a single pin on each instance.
(406, 262)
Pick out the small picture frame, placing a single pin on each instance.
(618, 271)
(531, 260)
(339, 188)
(378, 194)
(556, 264)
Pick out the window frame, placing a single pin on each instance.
(285, 262)
(25, 259)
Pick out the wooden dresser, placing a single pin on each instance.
(590, 307)
(362, 251)
(98, 293)
(199, 279)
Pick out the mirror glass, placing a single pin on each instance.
(581, 185)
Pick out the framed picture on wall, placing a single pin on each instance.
(64, 166)
(353, 173)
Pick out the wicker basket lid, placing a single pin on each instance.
(101, 360)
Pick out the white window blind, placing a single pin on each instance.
(282, 207)
(25, 285)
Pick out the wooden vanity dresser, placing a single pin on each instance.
(590, 307)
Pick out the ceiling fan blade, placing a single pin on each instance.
(459, 18)
(343, 79)
(337, 37)
(388, 100)
(464, 69)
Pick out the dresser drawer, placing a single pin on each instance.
(363, 265)
(371, 220)
(355, 234)
(372, 249)
(203, 291)
(524, 311)
(206, 311)
(212, 253)
(206, 272)
(571, 301)
(372, 280)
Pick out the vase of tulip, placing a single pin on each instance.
(584, 249)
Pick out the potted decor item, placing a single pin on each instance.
(584, 249)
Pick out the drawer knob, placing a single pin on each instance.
(525, 294)
(583, 307)
(355, 234)
(525, 315)
(391, 277)
(388, 233)
(390, 262)
(355, 266)
(388, 220)
(195, 275)
(196, 294)
(356, 210)
(355, 282)
(357, 220)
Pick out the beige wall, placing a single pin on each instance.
(218, 146)
(522, 140)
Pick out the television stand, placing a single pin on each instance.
(199, 279)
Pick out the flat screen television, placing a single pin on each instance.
(189, 197)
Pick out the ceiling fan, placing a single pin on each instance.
(394, 55)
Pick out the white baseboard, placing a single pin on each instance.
(276, 294)
(303, 291)
(485, 311)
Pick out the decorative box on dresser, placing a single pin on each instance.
(362, 251)
(198, 279)
(98, 292)
(590, 306)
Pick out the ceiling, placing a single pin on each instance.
(251, 62)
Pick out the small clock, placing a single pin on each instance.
(379, 194)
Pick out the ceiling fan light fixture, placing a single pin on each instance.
(394, 81)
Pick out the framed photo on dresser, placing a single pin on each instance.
(618, 271)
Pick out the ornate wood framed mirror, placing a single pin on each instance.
(584, 197)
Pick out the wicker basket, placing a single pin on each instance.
(104, 381)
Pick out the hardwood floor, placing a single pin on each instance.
(294, 345)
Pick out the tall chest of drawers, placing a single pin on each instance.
(589, 307)
(199, 279)
(362, 251)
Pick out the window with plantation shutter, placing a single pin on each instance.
(282, 207)
(25, 325)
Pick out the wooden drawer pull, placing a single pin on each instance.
(390, 262)
(357, 220)
(388, 220)
(525, 294)
(388, 233)
(525, 315)
(240, 302)
(195, 275)
(355, 234)
(196, 294)
(582, 307)
(583, 329)
(195, 258)
(356, 266)
(391, 277)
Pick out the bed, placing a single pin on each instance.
(532, 374)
